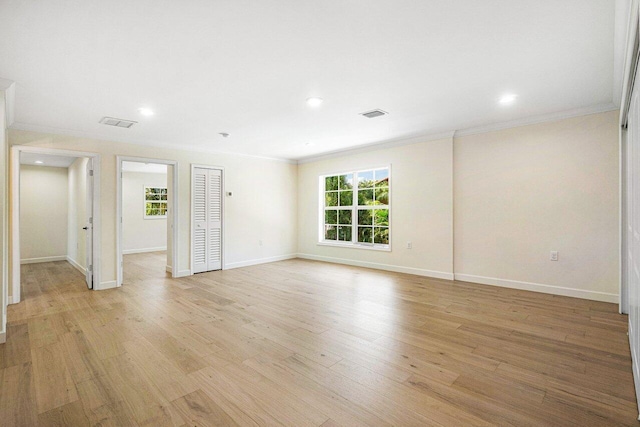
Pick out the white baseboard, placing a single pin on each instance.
(106, 285)
(43, 259)
(539, 287)
(168, 269)
(183, 273)
(143, 250)
(11, 300)
(3, 337)
(387, 267)
(77, 266)
(257, 261)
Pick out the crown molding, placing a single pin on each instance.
(397, 142)
(9, 88)
(143, 142)
(543, 118)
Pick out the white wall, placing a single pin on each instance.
(523, 192)
(262, 208)
(43, 213)
(140, 234)
(519, 193)
(421, 208)
(77, 213)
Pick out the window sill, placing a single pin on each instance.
(385, 248)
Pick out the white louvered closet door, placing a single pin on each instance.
(207, 220)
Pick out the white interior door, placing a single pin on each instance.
(632, 194)
(88, 228)
(207, 219)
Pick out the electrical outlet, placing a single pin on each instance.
(409, 245)
(554, 255)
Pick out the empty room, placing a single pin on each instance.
(280, 213)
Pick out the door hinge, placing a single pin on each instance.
(90, 172)
(91, 268)
(90, 220)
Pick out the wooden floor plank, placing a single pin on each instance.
(303, 343)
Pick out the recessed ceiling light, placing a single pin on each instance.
(508, 98)
(309, 144)
(145, 111)
(314, 102)
(38, 162)
(224, 134)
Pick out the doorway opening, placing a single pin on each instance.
(147, 219)
(55, 222)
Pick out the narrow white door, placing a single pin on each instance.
(207, 219)
(88, 228)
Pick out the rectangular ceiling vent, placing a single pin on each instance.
(374, 113)
(120, 123)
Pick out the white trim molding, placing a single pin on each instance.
(168, 269)
(257, 261)
(380, 145)
(75, 265)
(543, 118)
(143, 250)
(14, 196)
(183, 273)
(106, 285)
(127, 139)
(3, 337)
(539, 287)
(387, 267)
(174, 213)
(43, 259)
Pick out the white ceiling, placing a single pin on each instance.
(27, 158)
(246, 68)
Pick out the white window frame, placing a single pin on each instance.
(145, 201)
(354, 212)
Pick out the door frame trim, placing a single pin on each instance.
(174, 205)
(224, 234)
(14, 200)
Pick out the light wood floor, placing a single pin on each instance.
(303, 343)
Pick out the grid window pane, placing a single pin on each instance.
(344, 233)
(365, 235)
(330, 232)
(331, 183)
(365, 217)
(356, 207)
(382, 196)
(365, 197)
(331, 217)
(346, 198)
(381, 217)
(155, 201)
(365, 179)
(381, 235)
(331, 198)
(345, 182)
(344, 216)
(382, 178)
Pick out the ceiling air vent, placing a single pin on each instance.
(374, 113)
(120, 123)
